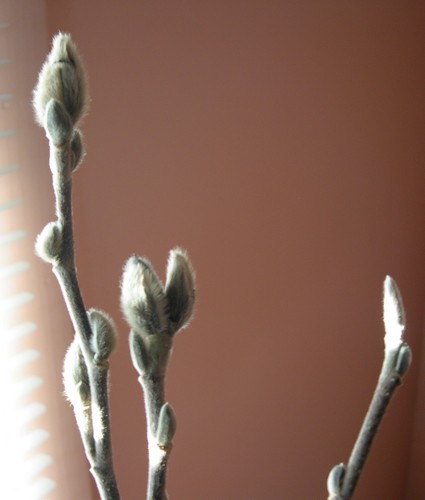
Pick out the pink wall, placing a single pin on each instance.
(282, 144)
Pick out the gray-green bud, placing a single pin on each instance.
(334, 483)
(403, 360)
(104, 338)
(62, 78)
(139, 353)
(166, 427)
(180, 289)
(58, 123)
(143, 300)
(77, 149)
(75, 376)
(48, 245)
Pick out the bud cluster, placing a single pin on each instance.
(151, 308)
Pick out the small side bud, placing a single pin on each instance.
(75, 377)
(104, 337)
(166, 427)
(138, 352)
(143, 301)
(58, 123)
(394, 316)
(48, 245)
(403, 360)
(180, 289)
(77, 149)
(63, 78)
(334, 483)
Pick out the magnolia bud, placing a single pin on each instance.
(394, 315)
(104, 338)
(75, 377)
(62, 77)
(48, 245)
(403, 360)
(77, 149)
(143, 301)
(166, 427)
(58, 123)
(139, 353)
(180, 289)
(334, 483)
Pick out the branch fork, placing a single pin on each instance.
(154, 313)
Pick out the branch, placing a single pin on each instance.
(155, 314)
(60, 101)
(343, 479)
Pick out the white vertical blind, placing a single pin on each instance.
(24, 467)
(41, 455)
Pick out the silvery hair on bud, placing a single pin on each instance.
(143, 301)
(104, 337)
(77, 148)
(180, 288)
(63, 78)
(48, 245)
(75, 376)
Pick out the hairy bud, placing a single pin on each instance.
(104, 338)
(139, 353)
(75, 377)
(394, 315)
(77, 149)
(143, 301)
(62, 78)
(180, 289)
(48, 245)
(58, 123)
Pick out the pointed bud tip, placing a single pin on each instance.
(62, 77)
(180, 288)
(394, 315)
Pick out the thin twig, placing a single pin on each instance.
(388, 381)
(65, 272)
(155, 313)
(153, 390)
(342, 479)
(60, 101)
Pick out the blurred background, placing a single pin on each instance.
(282, 144)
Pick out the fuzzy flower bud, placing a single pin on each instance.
(75, 377)
(48, 245)
(104, 337)
(143, 301)
(180, 289)
(139, 353)
(77, 149)
(394, 316)
(62, 78)
(58, 123)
